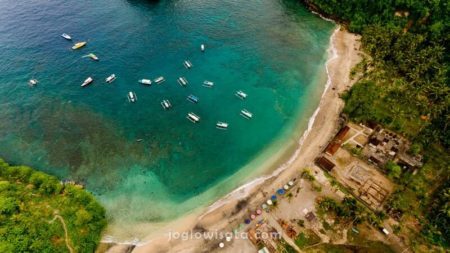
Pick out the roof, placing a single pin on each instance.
(324, 163)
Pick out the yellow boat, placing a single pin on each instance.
(79, 45)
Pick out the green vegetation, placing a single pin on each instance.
(307, 238)
(394, 171)
(306, 174)
(35, 206)
(284, 247)
(349, 211)
(403, 85)
(372, 247)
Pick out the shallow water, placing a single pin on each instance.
(273, 50)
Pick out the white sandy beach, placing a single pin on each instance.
(225, 215)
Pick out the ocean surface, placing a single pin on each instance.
(143, 163)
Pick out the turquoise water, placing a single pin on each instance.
(273, 50)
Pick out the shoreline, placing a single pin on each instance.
(223, 215)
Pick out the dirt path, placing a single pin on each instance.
(66, 234)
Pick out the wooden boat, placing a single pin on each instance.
(132, 97)
(79, 45)
(159, 80)
(182, 81)
(145, 81)
(66, 36)
(33, 82)
(110, 78)
(187, 64)
(240, 94)
(208, 84)
(194, 118)
(193, 99)
(92, 56)
(222, 125)
(246, 114)
(86, 82)
(166, 104)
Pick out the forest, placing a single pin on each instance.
(36, 209)
(403, 85)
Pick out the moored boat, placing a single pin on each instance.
(246, 114)
(182, 81)
(166, 104)
(194, 118)
(79, 45)
(240, 94)
(202, 47)
(33, 82)
(187, 64)
(145, 81)
(208, 84)
(66, 36)
(131, 97)
(222, 125)
(192, 99)
(110, 78)
(86, 82)
(159, 80)
(92, 56)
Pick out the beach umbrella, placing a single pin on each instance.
(228, 239)
(274, 197)
(247, 221)
(291, 183)
(269, 202)
(286, 187)
(264, 206)
(221, 245)
(280, 192)
(258, 212)
(252, 216)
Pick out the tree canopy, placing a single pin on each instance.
(30, 204)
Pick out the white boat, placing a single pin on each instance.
(132, 97)
(187, 64)
(159, 80)
(246, 114)
(166, 104)
(182, 81)
(192, 99)
(66, 36)
(193, 117)
(240, 94)
(222, 125)
(208, 84)
(33, 82)
(110, 78)
(86, 82)
(202, 47)
(145, 81)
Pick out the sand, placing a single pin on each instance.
(226, 215)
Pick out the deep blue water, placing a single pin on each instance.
(272, 49)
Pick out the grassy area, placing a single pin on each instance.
(307, 238)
